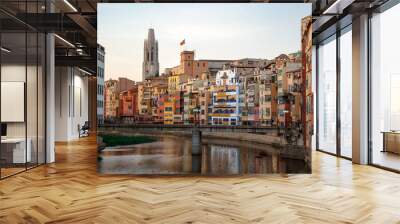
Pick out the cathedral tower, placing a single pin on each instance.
(150, 56)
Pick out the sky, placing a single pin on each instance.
(214, 31)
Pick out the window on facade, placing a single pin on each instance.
(268, 112)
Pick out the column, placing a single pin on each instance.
(50, 98)
(360, 90)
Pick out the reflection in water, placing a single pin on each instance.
(223, 160)
(173, 155)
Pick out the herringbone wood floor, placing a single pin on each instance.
(71, 191)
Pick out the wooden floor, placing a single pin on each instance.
(71, 191)
(387, 159)
(5, 172)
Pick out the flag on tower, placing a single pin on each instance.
(182, 42)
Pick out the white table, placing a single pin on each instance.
(19, 154)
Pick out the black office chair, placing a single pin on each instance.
(84, 130)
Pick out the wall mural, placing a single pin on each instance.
(191, 98)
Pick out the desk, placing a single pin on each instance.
(13, 150)
(391, 141)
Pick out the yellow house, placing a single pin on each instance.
(175, 81)
(172, 83)
(169, 112)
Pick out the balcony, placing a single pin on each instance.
(226, 101)
(226, 104)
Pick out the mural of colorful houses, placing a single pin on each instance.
(246, 92)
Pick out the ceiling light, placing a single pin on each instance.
(337, 7)
(5, 50)
(70, 5)
(86, 72)
(328, 10)
(64, 40)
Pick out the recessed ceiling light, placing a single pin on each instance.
(70, 5)
(86, 72)
(337, 7)
(5, 50)
(64, 40)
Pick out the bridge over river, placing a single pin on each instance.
(205, 128)
(249, 134)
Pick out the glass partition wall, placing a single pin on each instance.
(13, 121)
(22, 98)
(385, 89)
(334, 94)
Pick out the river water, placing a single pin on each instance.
(172, 155)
